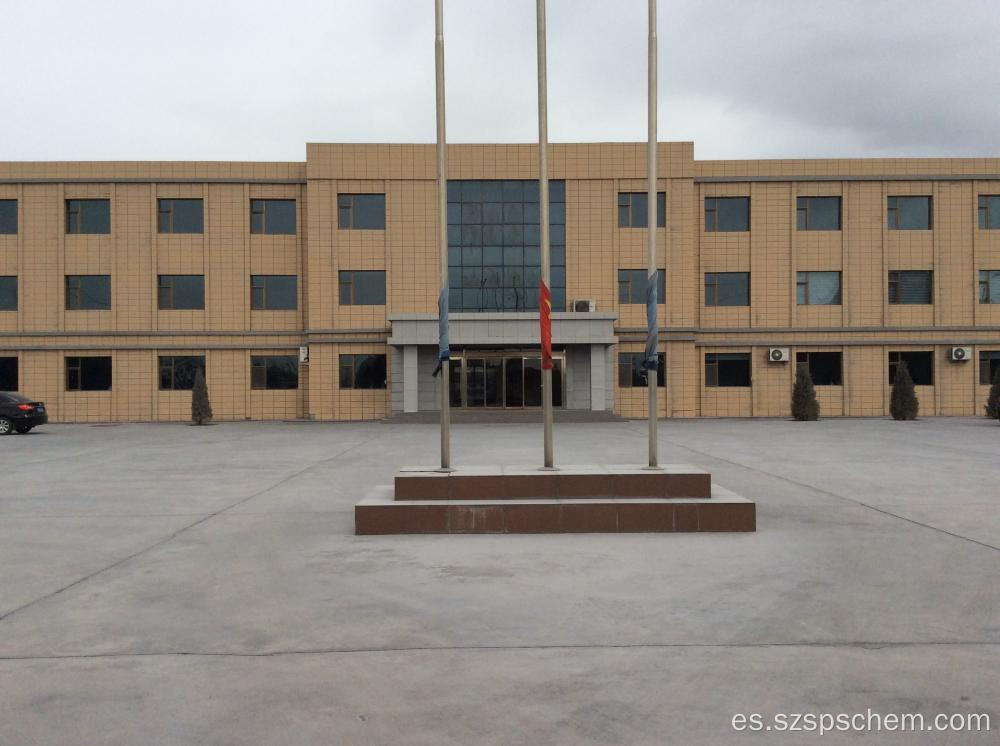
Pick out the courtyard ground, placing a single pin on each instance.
(166, 584)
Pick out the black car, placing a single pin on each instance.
(19, 413)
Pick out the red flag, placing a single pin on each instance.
(545, 320)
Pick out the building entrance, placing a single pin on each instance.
(503, 380)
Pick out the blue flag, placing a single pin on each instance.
(443, 351)
(652, 361)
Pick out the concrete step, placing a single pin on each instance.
(379, 513)
(502, 416)
(566, 482)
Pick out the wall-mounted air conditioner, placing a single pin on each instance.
(960, 354)
(584, 306)
(778, 354)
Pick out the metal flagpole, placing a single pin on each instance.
(651, 275)
(444, 353)
(545, 298)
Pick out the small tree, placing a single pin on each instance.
(993, 402)
(201, 409)
(903, 404)
(804, 404)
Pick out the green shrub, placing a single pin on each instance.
(993, 402)
(903, 404)
(201, 409)
(804, 404)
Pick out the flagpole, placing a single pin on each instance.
(652, 284)
(543, 203)
(442, 188)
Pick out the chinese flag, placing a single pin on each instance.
(545, 320)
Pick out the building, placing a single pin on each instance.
(118, 279)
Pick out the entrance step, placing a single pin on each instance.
(379, 513)
(567, 482)
(501, 416)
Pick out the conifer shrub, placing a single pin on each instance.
(804, 404)
(993, 402)
(903, 403)
(201, 408)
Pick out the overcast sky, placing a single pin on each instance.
(255, 80)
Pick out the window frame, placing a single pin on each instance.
(803, 208)
(987, 279)
(351, 286)
(715, 293)
(988, 360)
(265, 228)
(78, 367)
(262, 287)
(70, 291)
(638, 376)
(893, 287)
(661, 276)
(17, 372)
(160, 213)
(173, 370)
(805, 357)
(161, 287)
(712, 360)
(352, 361)
(16, 295)
(984, 212)
(893, 211)
(711, 208)
(264, 363)
(16, 218)
(348, 212)
(628, 214)
(74, 209)
(899, 358)
(799, 284)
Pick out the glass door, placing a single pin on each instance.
(514, 381)
(475, 382)
(493, 382)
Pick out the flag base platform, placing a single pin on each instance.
(572, 499)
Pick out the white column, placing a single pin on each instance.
(410, 379)
(598, 379)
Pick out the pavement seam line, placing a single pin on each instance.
(857, 644)
(834, 494)
(182, 530)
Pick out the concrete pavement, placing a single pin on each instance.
(172, 584)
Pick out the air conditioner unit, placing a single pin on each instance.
(304, 354)
(961, 354)
(778, 354)
(584, 306)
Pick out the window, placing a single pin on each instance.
(989, 286)
(88, 216)
(273, 292)
(817, 213)
(825, 368)
(632, 286)
(182, 216)
(362, 371)
(88, 292)
(361, 211)
(911, 287)
(8, 293)
(989, 212)
(920, 365)
(8, 216)
(632, 370)
(362, 288)
(272, 216)
(88, 374)
(727, 288)
(182, 292)
(909, 213)
(818, 288)
(8, 374)
(274, 372)
(634, 206)
(727, 369)
(989, 364)
(177, 372)
(727, 214)
(494, 239)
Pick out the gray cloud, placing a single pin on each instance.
(255, 80)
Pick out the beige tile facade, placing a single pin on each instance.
(41, 333)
